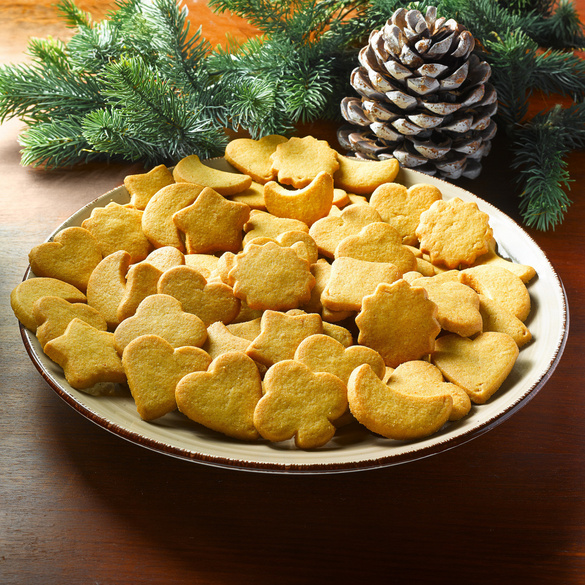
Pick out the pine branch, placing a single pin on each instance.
(57, 143)
(72, 15)
(541, 147)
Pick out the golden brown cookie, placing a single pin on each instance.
(308, 204)
(281, 334)
(223, 233)
(70, 257)
(87, 355)
(210, 302)
(497, 318)
(191, 170)
(479, 365)
(24, 296)
(107, 286)
(157, 221)
(142, 187)
(299, 160)
(224, 397)
(161, 315)
(141, 280)
(399, 322)
(257, 269)
(351, 280)
(116, 227)
(402, 207)
(390, 410)
(154, 368)
(454, 233)
(53, 315)
(265, 225)
(300, 403)
(377, 242)
(252, 157)
(362, 177)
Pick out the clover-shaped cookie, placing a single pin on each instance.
(399, 322)
(191, 170)
(142, 187)
(154, 368)
(479, 365)
(391, 410)
(53, 315)
(252, 157)
(402, 207)
(454, 233)
(117, 227)
(161, 315)
(300, 403)
(378, 242)
(88, 356)
(257, 269)
(322, 353)
(299, 160)
(70, 257)
(280, 335)
(330, 230)
(307, 204)
(210, 302)
(212, 223)
(28, 292)
(223, 398)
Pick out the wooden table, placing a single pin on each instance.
(79, 505)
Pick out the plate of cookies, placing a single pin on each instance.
(289, 309)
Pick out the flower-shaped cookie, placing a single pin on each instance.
(454, 233)
(399, 322)
(117, 227)
(259, 268)
(300, 403)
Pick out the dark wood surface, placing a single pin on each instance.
(79, 505)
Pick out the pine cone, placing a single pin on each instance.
(425, 97)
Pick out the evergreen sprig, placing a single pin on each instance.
(142, 85)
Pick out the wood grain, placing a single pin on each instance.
(81, 506)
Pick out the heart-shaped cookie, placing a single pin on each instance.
(71, 257)
(330, 230)
(324, 354)
(388, 410)
(479, 366)
(210, 302)
(154, 368)
(224, 397)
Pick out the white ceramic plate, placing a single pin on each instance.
(353, 448)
